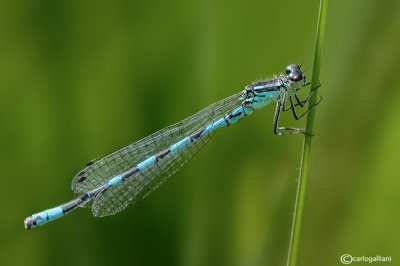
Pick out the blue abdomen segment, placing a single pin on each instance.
(43, 217)
(49, 215)
(115, 180)
(180, 144)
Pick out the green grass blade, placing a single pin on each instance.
(304, 164)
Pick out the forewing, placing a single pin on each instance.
(142, 183)
(101, 170)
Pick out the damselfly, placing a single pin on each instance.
(108, 185)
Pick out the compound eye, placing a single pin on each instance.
(288, 70)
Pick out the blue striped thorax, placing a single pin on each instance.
(262, 93)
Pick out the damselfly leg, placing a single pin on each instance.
(280, 106)
(276, 121)
(300, 102)
(296, 116)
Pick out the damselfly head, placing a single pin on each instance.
(295, 76)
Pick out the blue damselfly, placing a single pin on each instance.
(109, 184)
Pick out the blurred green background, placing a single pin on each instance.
(79, 79)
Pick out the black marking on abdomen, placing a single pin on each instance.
(162, 154)
(129, 173)
(31, 221)
(231, 115)
(226, 121)
(74, 203)
(197, 135)
(89, 163)
(67, 207)
(85, 197)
